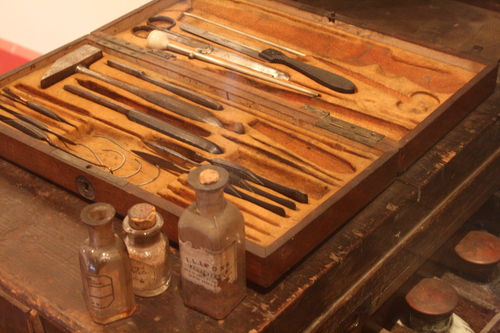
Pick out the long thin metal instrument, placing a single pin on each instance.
(233, 57)
(176, 89)
(323, 77)
(240, 171)
(248, 174)
(78, 61)
(165, 101)
(242, 195)
(37, 133)
(36, 106)
(246, 34)
(37, 124)
(165, 164)
(149, 121)
(237, 181)
(234, 178)
(161, 162)
(158, 35)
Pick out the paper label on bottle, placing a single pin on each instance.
(208, 268)
(100, 290)
(143, 275)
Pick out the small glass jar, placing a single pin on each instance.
(212, 246)
(105, 267)
(148, 250)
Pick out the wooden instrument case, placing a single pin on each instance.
(340, 149)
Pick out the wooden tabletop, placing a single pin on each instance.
(335, 289)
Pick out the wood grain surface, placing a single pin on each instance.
(334, 289)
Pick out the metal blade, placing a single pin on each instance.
(249, 175)
(205, 48)
(237, 181)
(242, 195)
(324, 77)
(230, 43)
(172, 87)
(36, 106)
(26, 128)
(161, 162)
(37, 124)
(165, 164)
(170, 154)
(149, 121)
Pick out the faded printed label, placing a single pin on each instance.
(100, 290)
(143, 275)
(207, 268)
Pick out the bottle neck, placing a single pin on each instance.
(146, 237)
(210, 203)
(101, 236)
(142, 239)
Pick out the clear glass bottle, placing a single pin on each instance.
(105, 267)
(212, 246)
(148, 250)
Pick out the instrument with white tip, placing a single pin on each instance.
(158, 40)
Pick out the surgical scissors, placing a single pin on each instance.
(160, 22)
(165, 23)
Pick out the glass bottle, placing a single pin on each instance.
(105, 267)
(148, 250)
(212, 246)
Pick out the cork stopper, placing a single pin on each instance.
(209, 176)
(142, 216)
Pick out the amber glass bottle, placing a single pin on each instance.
(105, 267)
(212, 246)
